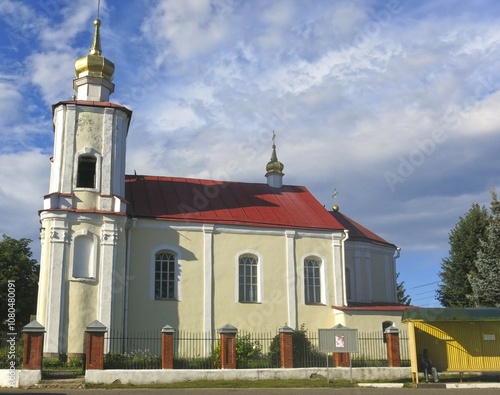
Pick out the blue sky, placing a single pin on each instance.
(392, 103)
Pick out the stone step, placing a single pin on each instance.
(62, 383)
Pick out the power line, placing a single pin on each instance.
(426, 292)
(424, 285)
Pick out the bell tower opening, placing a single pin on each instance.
(86, 175)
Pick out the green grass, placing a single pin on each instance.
(306, 383)
(311, 383)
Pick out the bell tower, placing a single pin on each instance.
(84, 215)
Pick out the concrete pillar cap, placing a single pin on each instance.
(96, 326)
(167, 329)
(228, 329)
(34, 327)
(391, 329)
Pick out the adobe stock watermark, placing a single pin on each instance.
(426, 147)
(416, 158)
(11, 331)
(380, 19)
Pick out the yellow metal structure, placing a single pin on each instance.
(458, 340)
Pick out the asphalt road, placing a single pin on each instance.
(255, 391)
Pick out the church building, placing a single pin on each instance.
(138, 252)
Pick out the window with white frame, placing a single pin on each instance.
(312, 280)
(165, 281)
(248, 278)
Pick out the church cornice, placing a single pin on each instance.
(91, 103)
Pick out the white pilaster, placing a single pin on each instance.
(109, 240)
(338, 269)
(208, 253)
(55, 271)
(291, 279)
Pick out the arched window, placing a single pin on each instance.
(165, 281)
(385, 325)
(86, 175)
(248, 278)
(312, 280)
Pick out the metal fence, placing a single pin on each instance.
(11, 350)
(253, 350)
(196, 350)
(136, 351)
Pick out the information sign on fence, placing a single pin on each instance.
(338, 339)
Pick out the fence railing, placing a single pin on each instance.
(254, 350)
(196, 350)
(11, 350)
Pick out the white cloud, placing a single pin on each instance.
(12, 103)
(52, 73)
(276, 20)
(23, 183)
(188, 27)
(74, 21)
(479, 117)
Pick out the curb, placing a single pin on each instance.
(381, 385)
(473, 385)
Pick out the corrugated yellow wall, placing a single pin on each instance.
(460, 346)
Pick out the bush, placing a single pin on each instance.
(52, 363)
(305, 354)
(195, 363)
(136, 359)
(248, 354)
(5, 361)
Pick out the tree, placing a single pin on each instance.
(18, 282)
(485, 280)
(464, 245)
(401, 292)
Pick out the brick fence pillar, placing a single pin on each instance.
(341, 359)
(167, 347)
(33, 346)
(94, 348)
(228, 346)
(286, 347)
(393, 352)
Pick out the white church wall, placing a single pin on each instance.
(369, 321)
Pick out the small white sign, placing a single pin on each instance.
(489, 336)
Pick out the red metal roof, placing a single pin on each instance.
(221, 202)
(358, 231)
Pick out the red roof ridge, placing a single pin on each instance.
(206, 180)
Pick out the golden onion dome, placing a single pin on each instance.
(274, 166)
(94, 64)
